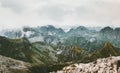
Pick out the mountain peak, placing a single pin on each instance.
(108, 45)
(107, 29)
(108, 50)
(81, 28)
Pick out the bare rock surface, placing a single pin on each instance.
(9, 65)
(104, 65)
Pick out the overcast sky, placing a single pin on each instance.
(61, 13)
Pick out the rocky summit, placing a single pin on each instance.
(102, 65)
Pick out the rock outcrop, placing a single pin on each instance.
(104, 65)
(9, 65)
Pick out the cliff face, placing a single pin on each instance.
(104, 65)
(9, 65)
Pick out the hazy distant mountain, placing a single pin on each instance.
(79, 31)
(44, 30)
(108, 32)
(117, 33)
(95, 28)
(80, 36)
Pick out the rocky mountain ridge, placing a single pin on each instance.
(104, 65)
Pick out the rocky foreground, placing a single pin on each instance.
(9, 65)
(104, 65)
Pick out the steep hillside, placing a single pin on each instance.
(107, 50)
(20, 49)
(47, 52)
(71, 53)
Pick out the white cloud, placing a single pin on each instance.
(62, 13)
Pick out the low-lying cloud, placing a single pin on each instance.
(61, 13)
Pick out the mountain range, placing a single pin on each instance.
(49, 49)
